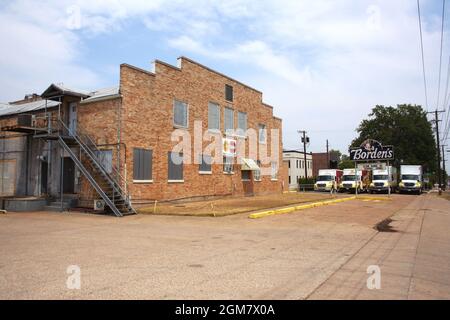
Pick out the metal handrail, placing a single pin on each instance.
(82, 134)
(95, 158)
(90, 178)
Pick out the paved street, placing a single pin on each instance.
(318, 253)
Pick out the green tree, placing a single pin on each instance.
(407, 128)
(345, 163)
(335, 154)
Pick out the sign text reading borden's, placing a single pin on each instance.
(371, 150)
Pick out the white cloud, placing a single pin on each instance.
(323, 64)
(34, 56)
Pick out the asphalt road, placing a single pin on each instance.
(319, 253)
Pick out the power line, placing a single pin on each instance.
(423, 58)
(440, 57)
(446, 97)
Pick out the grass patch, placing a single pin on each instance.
(232, 205)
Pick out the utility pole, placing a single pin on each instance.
(328, 155)
(436, 119)
(444, 183)
(305, 139)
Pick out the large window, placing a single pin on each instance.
(262, 133)
(205, 164)
(228, 119)
(228, 164)
(105, 158)
(175, 162)
(242, 123)
(228, 92)
(213, 116)
(180, 114)
(142, 164)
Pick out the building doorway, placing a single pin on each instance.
(247, 182)
(68, 175)
(44, 176)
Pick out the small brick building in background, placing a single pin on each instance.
(321, 160)
(131, 126)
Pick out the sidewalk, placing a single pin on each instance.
(414, 259)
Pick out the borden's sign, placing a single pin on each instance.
(371, 150)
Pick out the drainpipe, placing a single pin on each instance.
(119, 110)
(27, 162)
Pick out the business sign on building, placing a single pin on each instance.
(229, 147)
(371, 150)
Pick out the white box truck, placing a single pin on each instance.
(355, 179)
(410, 179)
(328, 179)
(383, 179)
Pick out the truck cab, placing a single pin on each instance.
(328, 179)
(410, 179)
(354, 179)
(383, 180)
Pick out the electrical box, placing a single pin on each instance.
(99, 205)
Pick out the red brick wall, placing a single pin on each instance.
(100, 120)
(147, 122)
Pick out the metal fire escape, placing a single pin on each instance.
(107, 182)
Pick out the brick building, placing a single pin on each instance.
(120, 144)
(322, 160)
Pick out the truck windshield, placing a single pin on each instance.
(325, 178)
(410, 177)
(380, 177)
(349, 178)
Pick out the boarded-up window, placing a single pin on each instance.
(228, 92)
(213, 116)
(205, 163)
(7, 177)
(142, 164)
(242, 123)
(180, 114)
(228, 120)
(105, 158)
(175, 162)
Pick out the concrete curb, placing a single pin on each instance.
(373, 198)
(266, 213)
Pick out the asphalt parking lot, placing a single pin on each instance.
(316, 253)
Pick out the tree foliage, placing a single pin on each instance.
(346, 164)
(407, 128)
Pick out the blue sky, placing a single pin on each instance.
(322, 64)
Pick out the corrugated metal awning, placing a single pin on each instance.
(249, 165)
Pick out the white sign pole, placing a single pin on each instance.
(389, 180)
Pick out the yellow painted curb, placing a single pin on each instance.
(266, 213)
(373, 198)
